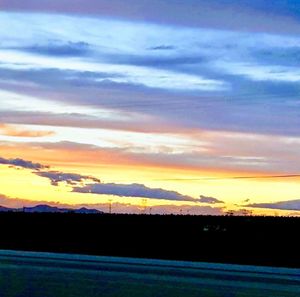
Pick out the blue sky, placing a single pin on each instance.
(192, 66)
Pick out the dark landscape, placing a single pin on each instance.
(270, 241)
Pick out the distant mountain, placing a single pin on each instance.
(43, 208)
(87, 210)
(5, 209)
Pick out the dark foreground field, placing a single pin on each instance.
(243, 240)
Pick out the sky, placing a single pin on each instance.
(152, 106)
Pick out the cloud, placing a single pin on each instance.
(175, 61)
(256, 72)
(126, 74)
(121, 190)
(280, 16)
(57, 177)
(70, 49)
(15, 202)
(209, 200)
(118, 73)
(282, 205)
(275, 159)
(148, 79)
(278, 55)
(22, 163)
(146, 124)
(10, 130)
(162, 47)
(104, 58)
(133, 190)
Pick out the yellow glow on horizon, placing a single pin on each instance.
(21, 183)
(113, 166)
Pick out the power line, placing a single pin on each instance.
(231, 177)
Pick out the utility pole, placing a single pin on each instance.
(110, 205)
(144, 206)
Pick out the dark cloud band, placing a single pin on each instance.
(22, 163)
(281, 205)
(133, 190)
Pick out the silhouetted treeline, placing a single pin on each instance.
(246, 240)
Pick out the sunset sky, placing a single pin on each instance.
(188, 106)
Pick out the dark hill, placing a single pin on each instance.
(245, 240)
(50, 209)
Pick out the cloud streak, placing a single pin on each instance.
(70, 49)
(281, 16)
(191, 82)
(15, 131)
(20, 163)
(281, 205)
(72, 179)
(209, 200)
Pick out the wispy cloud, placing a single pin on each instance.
(70, 49)
(207, 81)
(242, 177)
(55, 177)
(73, 179)
(162, 47)
(282, 205)
(16, 131)
(255, 72)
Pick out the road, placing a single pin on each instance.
(26, 274)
